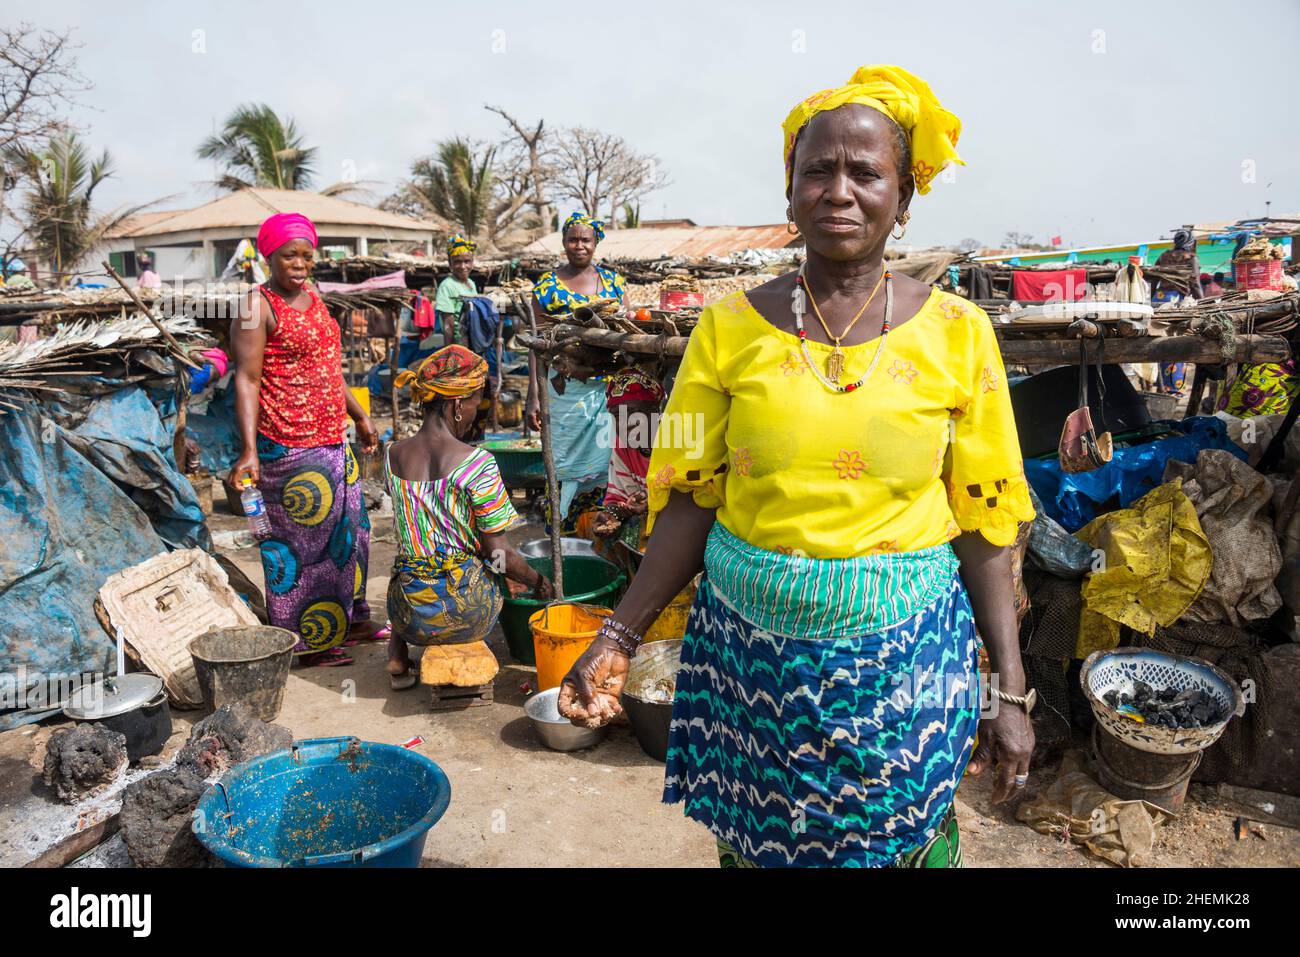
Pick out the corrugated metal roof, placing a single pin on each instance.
(695, 242)
(247, 208)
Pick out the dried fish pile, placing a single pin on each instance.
(647, 294)
(130, 349)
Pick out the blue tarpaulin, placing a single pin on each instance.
(1074, 500)
(216, 433)
(88, 487)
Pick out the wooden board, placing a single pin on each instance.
(164, 603)
(456, 697)
(75, 845)
(468, 665)
(1030, 352)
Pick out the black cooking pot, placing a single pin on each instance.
(133, 705)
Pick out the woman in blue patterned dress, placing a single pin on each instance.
(851, 506)
(577, 414)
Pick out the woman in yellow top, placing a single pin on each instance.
(839, 456)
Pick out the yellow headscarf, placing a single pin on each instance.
(906, 99)
(459, 244)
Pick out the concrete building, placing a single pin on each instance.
(196, 244)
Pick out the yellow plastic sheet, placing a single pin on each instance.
(1157, 559)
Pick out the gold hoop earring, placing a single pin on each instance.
(457, 413)
(790, 227)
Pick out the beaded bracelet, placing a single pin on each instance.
(626, 643)
(619, 626)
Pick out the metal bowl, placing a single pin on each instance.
(557, 732)
(651, 716)
(541, 547)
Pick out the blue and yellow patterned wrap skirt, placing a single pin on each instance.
(825, 709)
(448, 598)
(316, 558)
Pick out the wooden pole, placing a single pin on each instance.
(524, 309)
(552, 484)
(1197, 393)
(496, 403)
(392, 382)
(1029, 352)
(139, 304)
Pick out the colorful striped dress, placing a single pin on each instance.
(441, 591)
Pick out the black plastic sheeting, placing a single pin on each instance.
(88, 487)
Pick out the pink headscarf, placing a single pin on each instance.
(282, 228)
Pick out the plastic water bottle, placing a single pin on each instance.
(255, 509)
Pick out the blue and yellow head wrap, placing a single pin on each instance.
(906, 99)
(459, 245)
(582, 219)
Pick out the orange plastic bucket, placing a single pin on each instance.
(671, 622)
(561, 633)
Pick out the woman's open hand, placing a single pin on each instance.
(589, 692)
(606, 524)
(1006, 742)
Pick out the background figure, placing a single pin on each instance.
(578, 413)
(1173, 375)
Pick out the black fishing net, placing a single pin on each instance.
(1048, 635)
(1238, 654)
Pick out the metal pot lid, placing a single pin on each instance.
(113, 696)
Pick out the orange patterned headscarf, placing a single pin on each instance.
(906, 99)
(451, 373)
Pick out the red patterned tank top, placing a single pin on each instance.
(302, 396)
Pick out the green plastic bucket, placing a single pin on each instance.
(588, 579)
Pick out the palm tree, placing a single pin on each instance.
(258, 148)
(60, 221)
(455, 183)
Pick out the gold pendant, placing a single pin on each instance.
(835, 365)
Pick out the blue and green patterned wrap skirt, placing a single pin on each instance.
(448, 598)
(825, 709)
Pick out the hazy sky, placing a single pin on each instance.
(1101, 121)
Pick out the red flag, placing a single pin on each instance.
(1056, 240)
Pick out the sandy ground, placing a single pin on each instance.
(515, 803)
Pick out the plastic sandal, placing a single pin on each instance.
(334, 658)
(407, 679)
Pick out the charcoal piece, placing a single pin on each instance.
(156, 816)
(230, 736)
(83, 761)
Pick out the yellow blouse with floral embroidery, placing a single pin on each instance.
(925, 450)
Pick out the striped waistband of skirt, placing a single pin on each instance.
(826, 598)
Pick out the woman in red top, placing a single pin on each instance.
(292, 406)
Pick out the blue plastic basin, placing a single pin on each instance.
(328, 802)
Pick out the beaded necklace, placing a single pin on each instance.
(798, 308)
